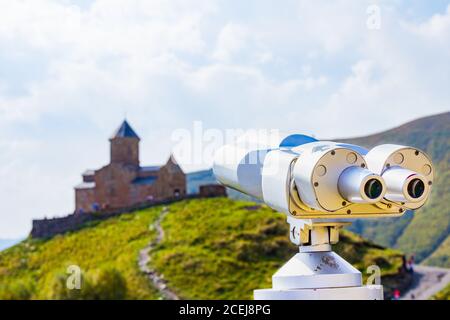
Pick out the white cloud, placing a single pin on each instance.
(333, 25)
(402, 75)
(438, 27)
(69, 73)
(232, 38)
(109, 27)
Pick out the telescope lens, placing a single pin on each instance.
(416, 188)
(373, 188)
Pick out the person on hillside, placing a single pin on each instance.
(404, 267)
(95, 207)
(411, 263)
(396, 295)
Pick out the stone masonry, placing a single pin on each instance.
(123, 182)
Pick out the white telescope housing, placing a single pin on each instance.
(408, 173)
(240, 165)
(321, 186)
(306, 178)
(328, 176)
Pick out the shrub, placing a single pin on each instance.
(100, 284)
(17, 290)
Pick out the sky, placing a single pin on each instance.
(71, 71)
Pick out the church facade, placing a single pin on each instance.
(124, 182)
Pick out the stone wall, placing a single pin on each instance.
(47, 228)
(213, 190)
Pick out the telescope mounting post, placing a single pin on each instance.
(316, 272)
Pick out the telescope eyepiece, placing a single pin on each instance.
(373, 188)
(359, 185)
(405, 185)
(416, 188)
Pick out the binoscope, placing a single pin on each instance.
(311, 179)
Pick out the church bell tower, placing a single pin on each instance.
(125, 146)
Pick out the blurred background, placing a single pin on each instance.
(72, 71)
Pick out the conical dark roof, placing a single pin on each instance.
(125, 131)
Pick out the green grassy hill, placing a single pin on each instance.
(34, 269)
(443, 294)
(223, 249)
(440, 256)
(213, 248)
(424, 232)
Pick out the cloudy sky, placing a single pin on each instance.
(71, 70)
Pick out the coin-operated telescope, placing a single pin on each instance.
(322, 186)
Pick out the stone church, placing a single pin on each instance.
(124, 182)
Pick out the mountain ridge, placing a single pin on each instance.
(433, 122)
(423, 232)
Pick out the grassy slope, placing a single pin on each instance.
(29, 268)
(213, 248)
(441, 256)
(423, 233)
(223, 249)
(443, 294)
(391, 228)
(431, 226)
